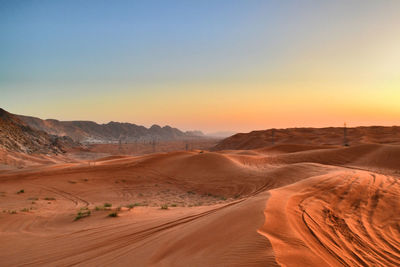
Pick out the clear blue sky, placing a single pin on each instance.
(209, 65)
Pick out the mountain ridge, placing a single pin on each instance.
(16, 135)
(92, 132)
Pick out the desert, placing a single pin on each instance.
(280, 204)
(199, 133)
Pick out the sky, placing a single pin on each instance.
(207, 65)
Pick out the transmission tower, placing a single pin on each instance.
(345, 142)
(154, 144)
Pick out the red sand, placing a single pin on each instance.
(288, 205)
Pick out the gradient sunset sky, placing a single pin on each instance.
(207, 65)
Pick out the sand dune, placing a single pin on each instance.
(292, 205)
(312, 136)
(348, 218)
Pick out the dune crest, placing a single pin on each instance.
(348, 218)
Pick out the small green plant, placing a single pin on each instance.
(104, 207)
(82, 214)
(173, 205)
(164, 207)
(21, 191)
(49, 198)
(130, 206)
(25, 210)
(113, 214)
(12, 212)
(222, 198)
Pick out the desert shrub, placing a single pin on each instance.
(173, 205)
(164, 207)
(25, 210)
(113, 214)
(104, 207)
(49, 198)
(82, 214)
(130, 206)
(21, 191)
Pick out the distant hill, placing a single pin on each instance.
(92, 132)
(311, 136)
(16, 135)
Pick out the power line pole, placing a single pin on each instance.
(154, 144)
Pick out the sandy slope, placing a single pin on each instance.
(295, 206)
(346, 218)
(312, 137)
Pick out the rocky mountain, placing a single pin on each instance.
(16, 135)
(92, 132)
(312, 136)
